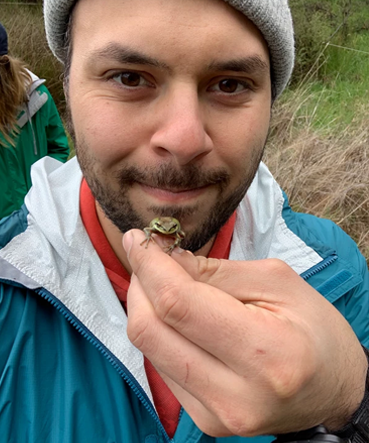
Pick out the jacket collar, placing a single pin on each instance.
(35, 101)
(261, 231)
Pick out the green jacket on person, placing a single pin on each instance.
(41, 133)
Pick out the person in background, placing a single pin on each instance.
(30, 128)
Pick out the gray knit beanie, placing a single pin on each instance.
(271, 17)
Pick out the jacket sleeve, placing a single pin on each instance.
(345, 282)
(357, 304)
(354, 305)
(57, 142)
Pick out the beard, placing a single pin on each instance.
(118, 207)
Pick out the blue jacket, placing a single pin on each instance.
(68, 372)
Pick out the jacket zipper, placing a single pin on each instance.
(32, 130)
(120, 368)
(319, 267)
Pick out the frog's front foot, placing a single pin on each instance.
(148, 238)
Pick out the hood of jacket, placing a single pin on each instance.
(36, 100)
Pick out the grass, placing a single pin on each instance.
(338, 86)
(319, 144)
(324, 171)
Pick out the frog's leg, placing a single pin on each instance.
(177, 242)
(148, 233)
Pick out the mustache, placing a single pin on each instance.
(168, 177)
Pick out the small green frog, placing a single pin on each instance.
(168, 226)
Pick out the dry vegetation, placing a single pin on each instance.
(324, 172)
(324, 169)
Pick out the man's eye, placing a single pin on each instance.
(231, 86)
(130, 79)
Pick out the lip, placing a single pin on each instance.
(174, 196)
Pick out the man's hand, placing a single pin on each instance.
(247, 347)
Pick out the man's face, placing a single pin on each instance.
(170, 104)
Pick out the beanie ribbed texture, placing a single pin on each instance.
(274, 21)
(271, 17)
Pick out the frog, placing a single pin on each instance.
(167, 226)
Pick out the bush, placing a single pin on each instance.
(320, 22)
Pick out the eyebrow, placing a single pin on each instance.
(248, 65)
(124, 55)
(114, 51)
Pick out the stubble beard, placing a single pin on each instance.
(120, 211)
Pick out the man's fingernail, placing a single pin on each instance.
(178, 250)
(127, 242)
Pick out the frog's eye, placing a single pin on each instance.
(173, 228)
(157, 225)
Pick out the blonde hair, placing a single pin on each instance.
(14, 82)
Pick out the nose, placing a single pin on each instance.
(181, 129)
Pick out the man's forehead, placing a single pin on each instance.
(191, 14)
(150, 32)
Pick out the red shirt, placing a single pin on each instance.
(166, 404)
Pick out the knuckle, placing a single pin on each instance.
(284, 385)
(138, 331)
(277, 268)
(207, 267)
(169, 303)
(240, 423)
(288, 381)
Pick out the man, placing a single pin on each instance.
(170, 106)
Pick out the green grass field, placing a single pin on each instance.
(340, 96)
